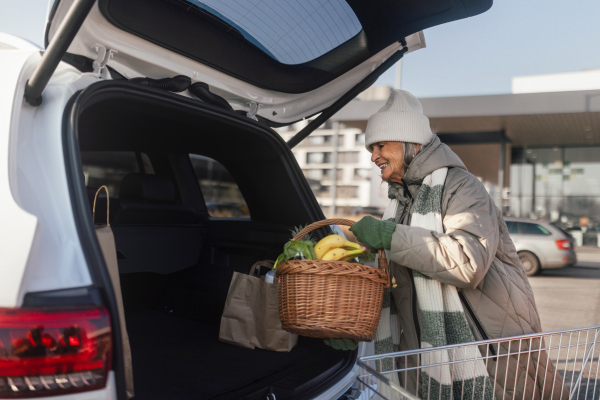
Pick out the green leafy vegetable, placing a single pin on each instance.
(302, 249)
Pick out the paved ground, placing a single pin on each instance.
(570, 297)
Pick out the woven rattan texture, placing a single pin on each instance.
(338, 299)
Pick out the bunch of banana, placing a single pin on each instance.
(336, 248)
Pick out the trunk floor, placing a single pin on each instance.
(179, 358)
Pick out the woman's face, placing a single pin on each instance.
(389, 157)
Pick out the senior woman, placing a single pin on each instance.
(455, 271)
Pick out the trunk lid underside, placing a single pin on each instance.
(291, 60)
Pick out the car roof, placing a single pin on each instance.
(528, 220)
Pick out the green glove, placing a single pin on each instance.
(374, 232)
(341, 344)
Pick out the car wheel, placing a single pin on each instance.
(530, 263)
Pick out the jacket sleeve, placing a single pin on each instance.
(463, 254)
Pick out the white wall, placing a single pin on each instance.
(566, 82)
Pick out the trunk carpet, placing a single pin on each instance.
(179, 358)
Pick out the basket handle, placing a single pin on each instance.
(107, 204)
(381, 259)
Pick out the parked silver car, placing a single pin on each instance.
(541, 245)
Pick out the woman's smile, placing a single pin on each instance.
(389, 156)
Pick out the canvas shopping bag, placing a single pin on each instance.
(251, 315)
(109, 251)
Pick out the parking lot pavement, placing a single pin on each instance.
(568, 297)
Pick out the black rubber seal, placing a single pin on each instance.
(87, 236)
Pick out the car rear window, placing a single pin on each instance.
(110, 167)
(512, 227)
(533, 229)
(221, 193)
(291, 32)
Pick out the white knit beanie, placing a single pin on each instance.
(401, 119)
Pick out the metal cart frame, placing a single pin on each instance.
(568, 358)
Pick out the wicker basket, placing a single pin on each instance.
(331, 299)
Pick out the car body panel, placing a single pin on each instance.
(544, 246)
(41, 222)
(19, 227)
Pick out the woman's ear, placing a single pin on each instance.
(418, 148)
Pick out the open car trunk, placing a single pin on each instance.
(175, 260)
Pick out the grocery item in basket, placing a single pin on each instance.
(296, 250)
(332, 242)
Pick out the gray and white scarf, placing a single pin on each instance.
(442, 318)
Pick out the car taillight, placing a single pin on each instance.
(48, 352)
(563, 244)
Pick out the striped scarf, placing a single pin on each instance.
(442, 318)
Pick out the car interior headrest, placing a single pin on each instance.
(146, 187)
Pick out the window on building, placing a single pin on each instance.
(324, 191)
(318, 158)
(512, 227)
(323, 140)
(560, 184)
(348, 157)
(221, 193)
(328, 174)
(533, 229)
(347, 192)
(359, 139)
(316, 174)
(110, 167)
(362, 173)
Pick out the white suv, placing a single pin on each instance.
(171, 104)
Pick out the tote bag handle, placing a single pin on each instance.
(107, 204)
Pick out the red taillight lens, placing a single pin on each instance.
(53, 352)
(563, 244)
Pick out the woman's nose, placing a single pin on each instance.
(374, 155)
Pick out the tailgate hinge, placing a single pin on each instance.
(254, 106)
(102, 56)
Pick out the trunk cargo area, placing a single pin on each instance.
(175, 260)
(178, 356)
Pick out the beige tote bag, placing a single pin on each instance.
(251, 314)
(109, 250)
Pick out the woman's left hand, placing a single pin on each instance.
(374, 232)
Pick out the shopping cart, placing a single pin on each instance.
(556, 365)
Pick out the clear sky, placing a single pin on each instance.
(478, 55)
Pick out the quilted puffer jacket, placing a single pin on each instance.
(476, 255)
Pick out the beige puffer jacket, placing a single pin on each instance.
(476, 255)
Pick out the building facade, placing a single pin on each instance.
(349, 186)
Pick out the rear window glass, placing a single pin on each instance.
(533, 229)
(291, 31)
(110, 167)
(221, 194)
(512, 227)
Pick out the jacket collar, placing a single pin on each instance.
(434, 155)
